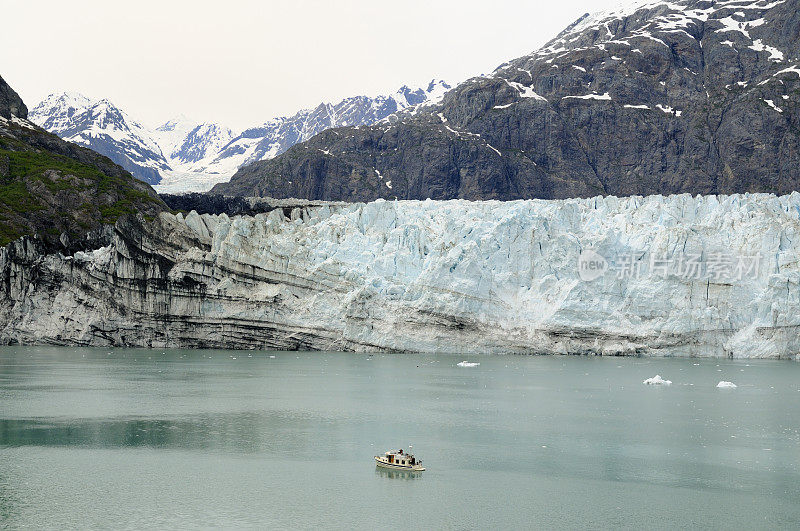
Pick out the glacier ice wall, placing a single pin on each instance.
(427, 276)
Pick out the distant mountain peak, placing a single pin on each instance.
(105, 128)
(70, 99)
(184, 154)
(175, 121)
(278, 134)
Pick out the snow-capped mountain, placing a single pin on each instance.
(106, 129)
(652, 97)
(202, 142)
(186, 142)
(172, 132)
(279, 134)
(184, 155)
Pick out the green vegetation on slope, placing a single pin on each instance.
(46, 193)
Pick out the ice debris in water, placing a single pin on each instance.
(466, 363)
(726, 385)
(657, 380)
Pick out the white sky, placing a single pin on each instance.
(242, 62)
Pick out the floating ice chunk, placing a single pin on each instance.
(726, 385)
(466, 363)
(657, 380)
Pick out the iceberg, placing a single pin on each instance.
(657, 380)
(726, 385)
(466, 363)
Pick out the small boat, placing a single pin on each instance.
(397, 460)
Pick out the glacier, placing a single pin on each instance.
(424, 276)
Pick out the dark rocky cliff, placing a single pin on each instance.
(236, 205)
(59, 192)
(690, 96)
(10, 102)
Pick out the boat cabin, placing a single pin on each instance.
(400, 458)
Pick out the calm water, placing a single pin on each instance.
(133, 438)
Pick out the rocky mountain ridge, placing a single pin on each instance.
(182, 155)
(11, 105)
(655, 97)
(277, 135)
(105, 128)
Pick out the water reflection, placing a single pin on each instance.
(397, 474)
(242, 432)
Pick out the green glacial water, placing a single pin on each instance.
(133, 438)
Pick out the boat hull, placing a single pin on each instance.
(393, 466)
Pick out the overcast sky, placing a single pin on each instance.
(242, 62)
